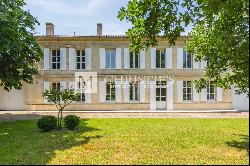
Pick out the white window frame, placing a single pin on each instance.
(132, 58)
(134, 86)
(162, 85)
(185, 90)
(112, 87)
(162, 55)
(81, 56)
(108, 52)
(185, 62)
(209, 84)
(80, 92)
(56, 56)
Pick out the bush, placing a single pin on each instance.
(47, 123)
(71, 122)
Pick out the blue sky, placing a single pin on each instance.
(79, 16)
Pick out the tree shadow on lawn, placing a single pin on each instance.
(242, 144)
(33, 147)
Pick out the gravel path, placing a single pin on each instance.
(25, 115)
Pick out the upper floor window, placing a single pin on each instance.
(210, 91)
(187, 60)
(187, 91)
(134, 60)
(110, 58)
(55, 59)
(80, 59)
(110, 91)
(161, 90)
(160, 58)
(134, 91)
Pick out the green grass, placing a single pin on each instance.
(128, 141)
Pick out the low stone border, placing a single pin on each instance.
(26, 115)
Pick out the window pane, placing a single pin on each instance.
(189, 97)
(58, 53)
(189, 61)
(53, 65)
(184, 60)
(83, 52)
(83, 65)
(131, 92)
(158, 59)
(78, 53)
(78, 59)
(53, 52)
(58, 59)
(163, 91)
(136, 60)
(188, 90)
(162, 59)
(58, 65)
(158, 92)
(83, 59)
(131, 60)
(158, 99)
(163, 98)
(53, 59)
(78, 66)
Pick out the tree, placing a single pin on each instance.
(220, 34)
(19, 51)
(61, 98)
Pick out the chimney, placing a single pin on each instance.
(49, 29)
(99, 29)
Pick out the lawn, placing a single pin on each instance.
(128, 141)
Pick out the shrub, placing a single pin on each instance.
(71, 122)
(47, 123)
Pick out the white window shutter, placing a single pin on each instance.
(126, 58)
(62, 85)
(46, 61)
(180, 90)
(118, 58)
(126, 91)
(153, 58)
(203, 64)
(196, 95)
(46, 86)
(72, 59)
(179, 58)
(142, 91)
(88, 92)
(72, 86)
(168, 57)
(170, 95)
(102, 91)
(63, 58)
(204, 94)
(88, 58)
(196, 65)
(219, 93)
(152, 96)
(142, 59)
(118, 91)
(102, 58)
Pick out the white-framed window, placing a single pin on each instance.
(55, 60)
(55, 85)
(160, 58)
(110, 58)
(81, 93)
(134, 60)
(187, 60)
(110, 91)
(187, 91)
(80, 59)
(210, 91)
(134, 91)
(161, 90)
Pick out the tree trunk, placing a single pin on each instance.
(59, 119)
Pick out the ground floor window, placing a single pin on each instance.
(134, 91)
(110, 91)
(55, 85)
(210, 91)
(187, 91)
(161, 90)
(81, 95)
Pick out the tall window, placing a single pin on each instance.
(55, 59)
(110, 58)
(210, 91)
(81, 93)
(134, 91)
(134, 60)
(110, 91)
(80, 59)
(160, 59)
(187, 90)
(161, 90)
(56, 85)
(187, 60)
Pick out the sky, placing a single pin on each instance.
(79, 16)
